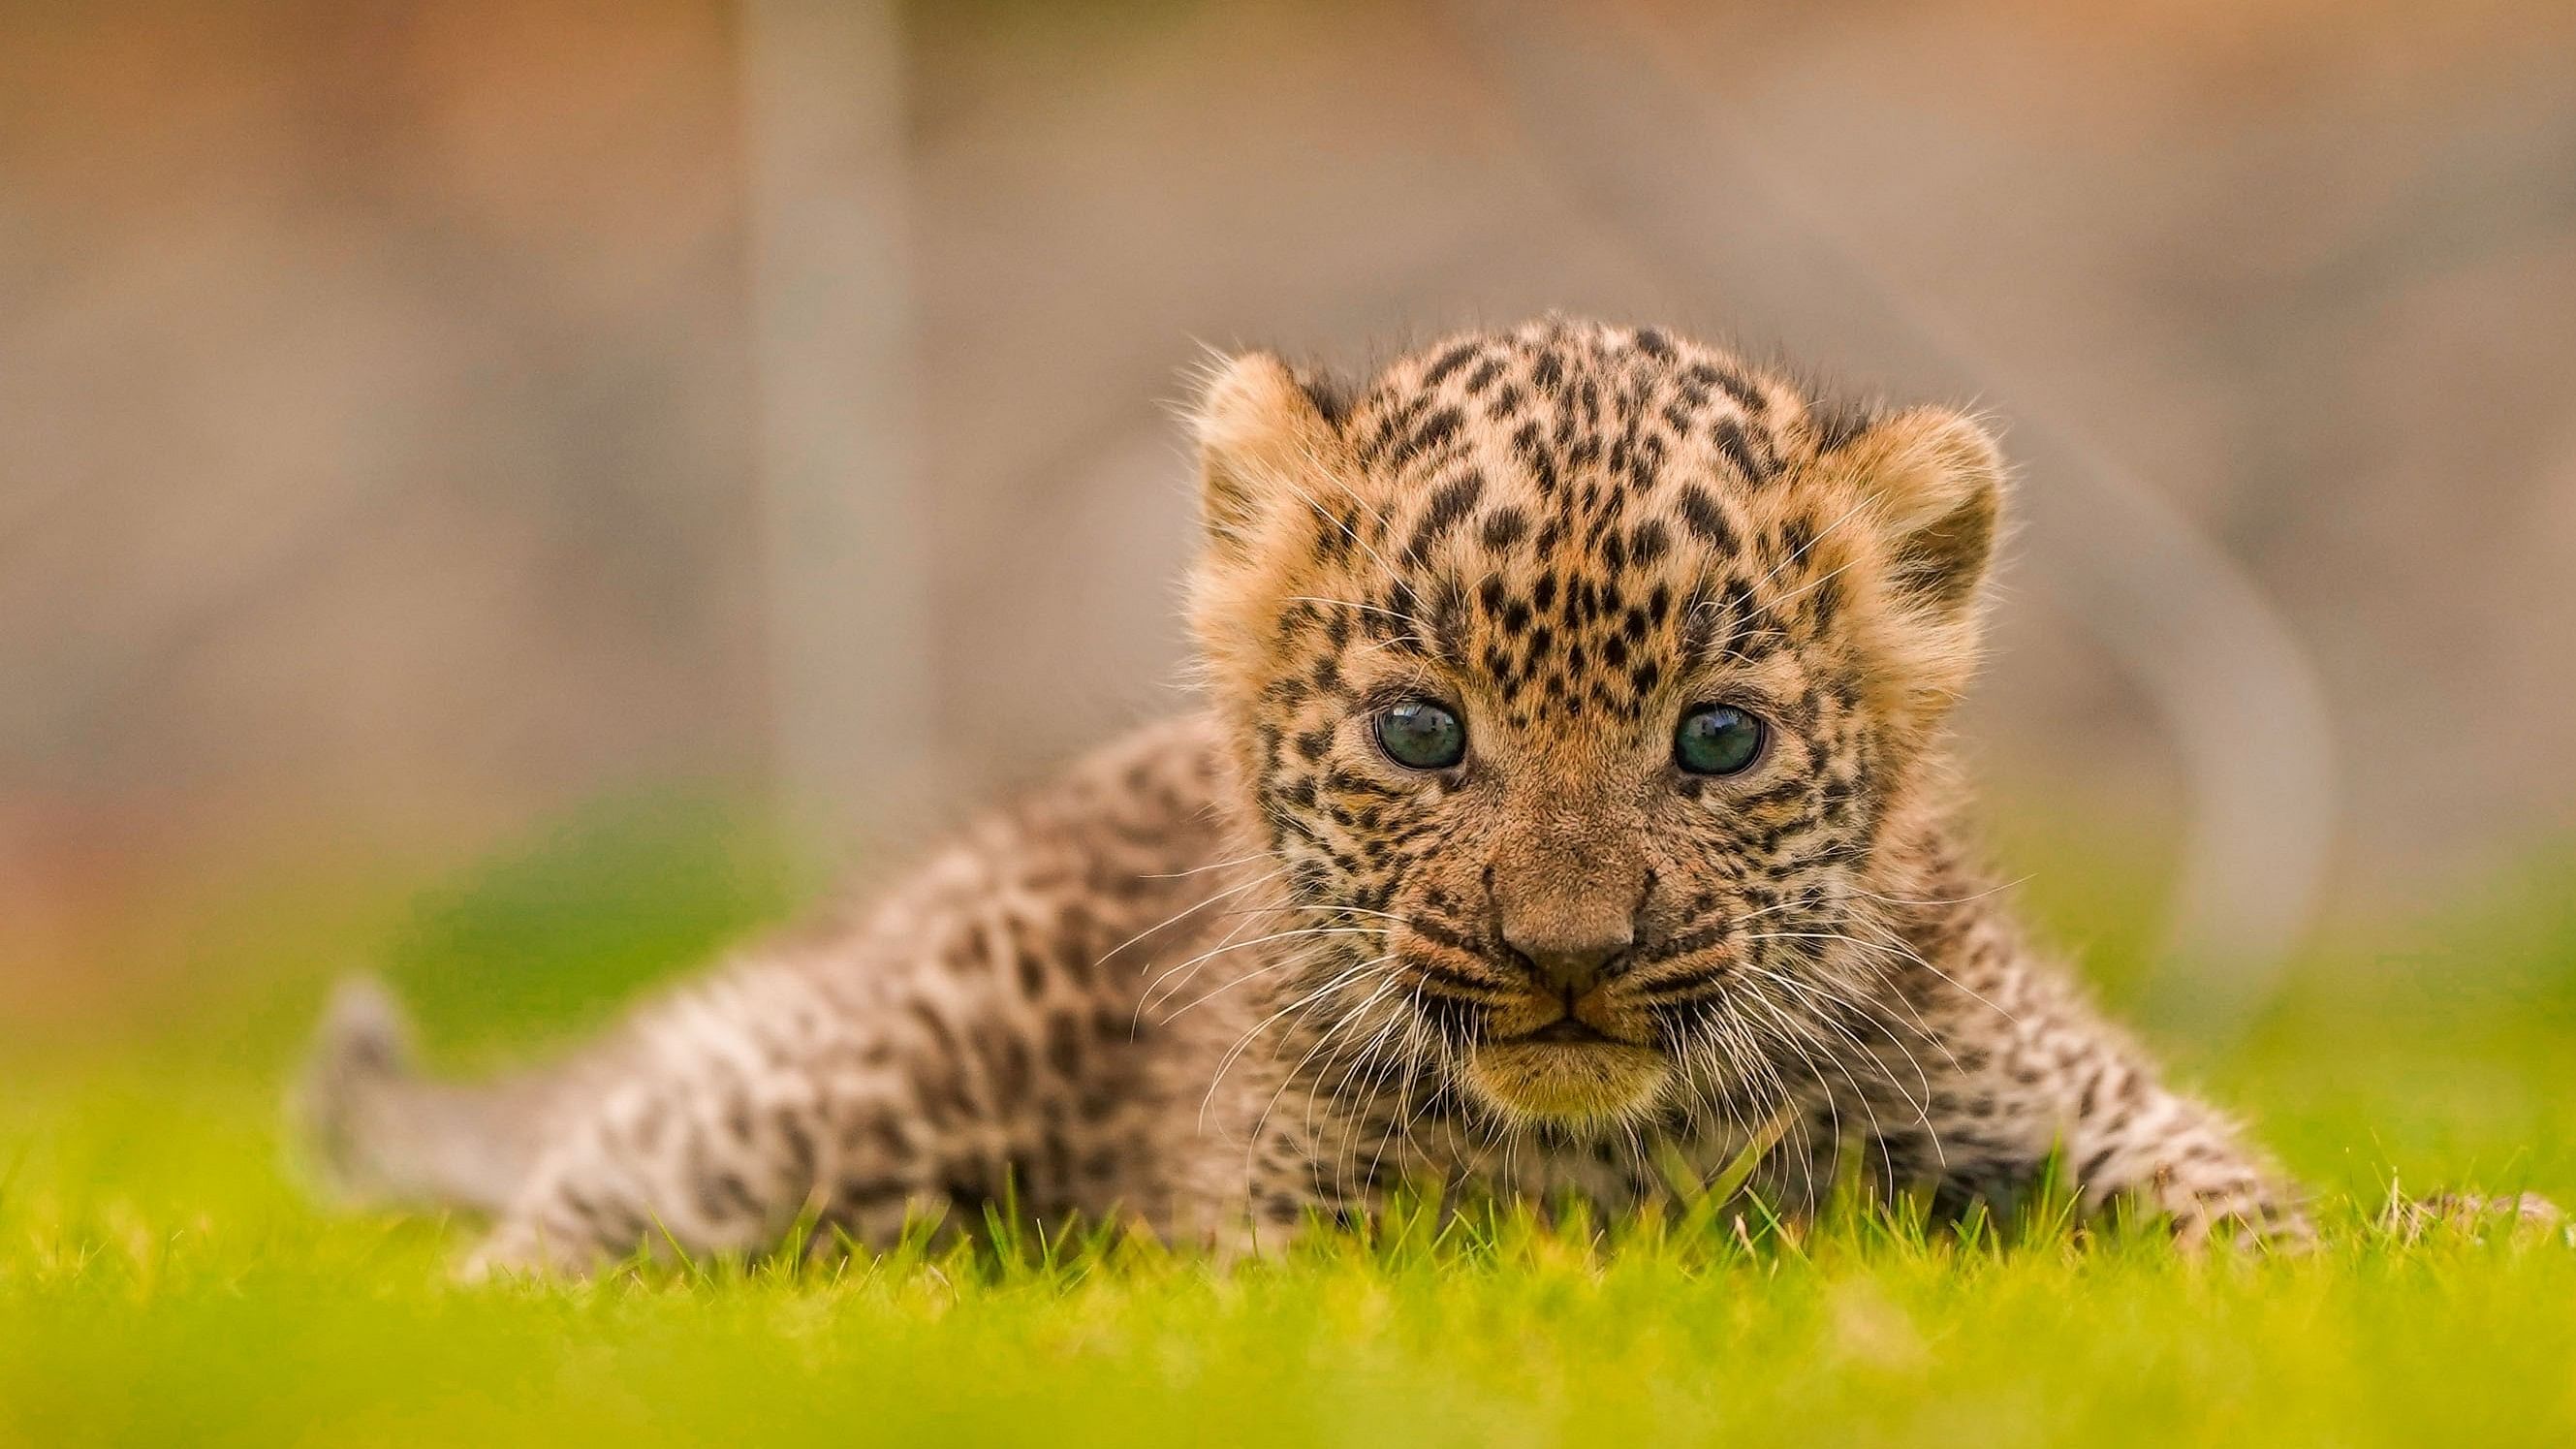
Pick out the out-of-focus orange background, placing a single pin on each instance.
(417, 419)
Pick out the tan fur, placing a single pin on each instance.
(1246, 969)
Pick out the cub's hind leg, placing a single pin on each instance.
(745, 1108)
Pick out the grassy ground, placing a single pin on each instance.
(163, 1281)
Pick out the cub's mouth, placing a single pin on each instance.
(1571, 1030)
(1566, 1070)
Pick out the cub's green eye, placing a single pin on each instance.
(1421, 735)
(1718, 739)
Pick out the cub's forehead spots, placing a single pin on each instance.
(1563, 436)
(1578, 514)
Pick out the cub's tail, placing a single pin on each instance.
(377, 1132)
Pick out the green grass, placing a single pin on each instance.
(163, 1280)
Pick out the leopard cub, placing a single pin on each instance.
(1567, 813)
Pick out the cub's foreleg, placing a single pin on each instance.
(2035, 1072)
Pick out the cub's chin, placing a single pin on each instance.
(1566, 1081)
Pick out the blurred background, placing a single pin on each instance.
(421, 424)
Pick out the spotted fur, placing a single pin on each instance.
(1244, 971)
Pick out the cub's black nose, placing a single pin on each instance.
(1571, 969)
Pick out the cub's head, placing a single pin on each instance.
(1577, 677)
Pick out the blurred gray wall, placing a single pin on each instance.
(380, 399)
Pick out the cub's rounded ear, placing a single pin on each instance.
(1937, 480)
(1268, 441)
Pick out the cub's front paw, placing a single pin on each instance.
(2517, 1214)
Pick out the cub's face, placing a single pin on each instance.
(1574, 675)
